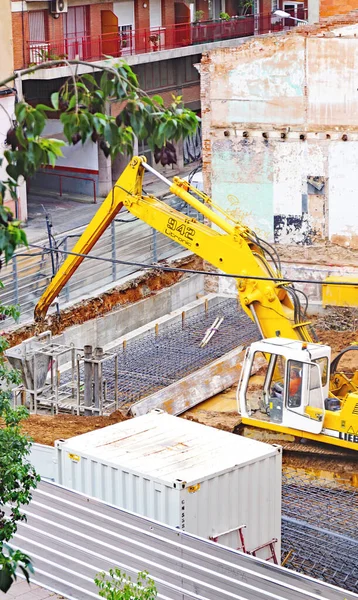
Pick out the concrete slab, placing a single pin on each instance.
(196, 387)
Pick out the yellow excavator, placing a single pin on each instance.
(300, 393)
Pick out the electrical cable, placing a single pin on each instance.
(189, 271)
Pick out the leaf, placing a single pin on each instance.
(6, 580)
(44, 108)
(55, 97)
(20, 111)
(158, 99)
(72, 103)
(89, 78)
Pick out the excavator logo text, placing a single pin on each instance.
(180, 232)
(350, 436)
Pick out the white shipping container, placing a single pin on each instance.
(181, 473)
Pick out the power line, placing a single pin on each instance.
(189, 271)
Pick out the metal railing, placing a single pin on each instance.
(141, 41)
(61, 176)
(28, 273)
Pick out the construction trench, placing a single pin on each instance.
(188, 350)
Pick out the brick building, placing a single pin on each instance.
(161, 39)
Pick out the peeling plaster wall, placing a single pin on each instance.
(280, 135)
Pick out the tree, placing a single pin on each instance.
(17, 475)
(82, 106)
(119, 586)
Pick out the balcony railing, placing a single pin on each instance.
(141, 41)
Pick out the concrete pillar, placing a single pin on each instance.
(313, 11)
(180, 154)
(104, 174)
(121, 161)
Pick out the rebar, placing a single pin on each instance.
(172, 351)
(319, 529)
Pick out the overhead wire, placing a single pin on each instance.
(189, 271)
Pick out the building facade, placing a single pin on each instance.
(280, 133)
(162, 40)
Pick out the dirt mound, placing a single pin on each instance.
(227, 421)
(45, 429)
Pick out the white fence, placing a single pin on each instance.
(72, 537)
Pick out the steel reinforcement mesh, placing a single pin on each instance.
(156, 360)
(319, 529)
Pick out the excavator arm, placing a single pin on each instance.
(230, 246)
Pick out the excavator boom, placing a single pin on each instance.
(273, 304)
(230, 247)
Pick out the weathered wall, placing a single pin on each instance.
(280, 130)
(5, 40)
(329, 8)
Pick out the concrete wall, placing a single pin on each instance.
(6, 49)
(280, 135)
(79, 161)
(105, 331)
(7, 103)
(328, 8)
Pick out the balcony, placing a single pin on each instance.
(143, 41)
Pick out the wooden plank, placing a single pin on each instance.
(196, 387)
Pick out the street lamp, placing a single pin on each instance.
(286, 15)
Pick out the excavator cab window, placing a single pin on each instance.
(323, 367)
(265, 388)
(304, 393)
(294, 384)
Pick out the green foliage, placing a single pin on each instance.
(224, 16)
(82, 105)
(198, 15)
(11, 235)
(119, 586)
(244, 7)
(10, 561)
(17, 476)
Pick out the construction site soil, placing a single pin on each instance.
(141, 287)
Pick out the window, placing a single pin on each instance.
(274, 5)
(37, 26)
(75, 21)
(75, 28)
(304, 390)
(38, 46)
(323, 367)
(264, 392)
(294, 388)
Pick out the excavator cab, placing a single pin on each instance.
(285, 382)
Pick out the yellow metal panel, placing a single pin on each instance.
(327, 439)
(340, 295)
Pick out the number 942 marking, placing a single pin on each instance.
(184, 230)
